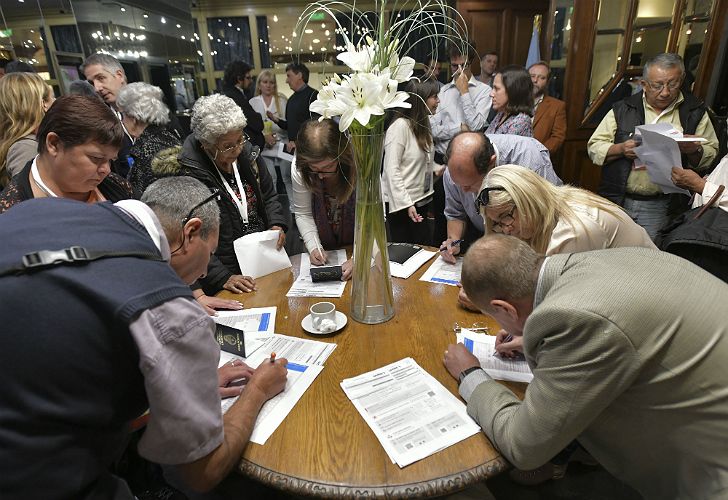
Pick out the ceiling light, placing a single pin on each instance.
(145, 16)
(179, 25)
(164, 21)
(123, 9)
(309, 31)
(275, 18)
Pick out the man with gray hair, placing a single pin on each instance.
(110, 318)
(623, 359)
(107, 76)
(612, 145)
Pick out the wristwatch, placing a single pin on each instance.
(466, 372)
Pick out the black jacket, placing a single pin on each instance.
(629, 113)
(193, 162)
(254, 128)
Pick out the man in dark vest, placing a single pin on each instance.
(99, 324)
(612, 144)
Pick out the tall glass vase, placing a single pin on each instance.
(372, 300)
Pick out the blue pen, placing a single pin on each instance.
(453, 244)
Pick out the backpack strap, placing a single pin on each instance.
(46, 258)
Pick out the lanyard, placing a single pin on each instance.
(242, 207)
(38, 181)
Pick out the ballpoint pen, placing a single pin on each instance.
(272, 357)
(453, 244)
(507, 339)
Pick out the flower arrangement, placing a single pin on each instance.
(360, 100)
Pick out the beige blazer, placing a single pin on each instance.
(629, 349)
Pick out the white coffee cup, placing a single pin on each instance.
(322, 311)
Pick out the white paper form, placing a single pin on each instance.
(668, 130)
(410, 412)
(410, 265)
(305, 287)
(659, 154)
(258, 324)
(444, 272)
(482, 346)
(305, 362)
(257, 255)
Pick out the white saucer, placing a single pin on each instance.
(307, 324)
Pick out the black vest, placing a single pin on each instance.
(69, 367)
(630, 113)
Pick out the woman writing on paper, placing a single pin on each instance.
(323, 179)
(409, 165)
(218, 154)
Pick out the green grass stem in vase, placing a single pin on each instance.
(372, 300)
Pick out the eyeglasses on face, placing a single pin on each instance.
(484, 196)
(324, 172)
(505, 221)
(238, 146)
(657, 87)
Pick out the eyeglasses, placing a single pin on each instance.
(237, 147)
(214, 196)
(324, 173)
(506, 220)
(657, 87)
(484, 196)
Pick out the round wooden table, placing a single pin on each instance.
(324, 448)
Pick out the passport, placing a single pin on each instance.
(230, 339)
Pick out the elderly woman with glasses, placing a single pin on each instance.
(323, 179)
(219, 154)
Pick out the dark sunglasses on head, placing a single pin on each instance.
(484, 196)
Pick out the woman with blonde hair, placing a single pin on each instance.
(271, 105)
(554, 219)
(24, 99)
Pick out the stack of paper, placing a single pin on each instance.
(305, 361)
(444, 272)
(482, 346)
(257, 323)
(410, 412)
(305, 287)
(659, 152)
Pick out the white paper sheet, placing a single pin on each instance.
(482, 346)
(443, 272)
(257, 255)
(258, 324)
(659, 153)
(305, 361)
(410, 412)
(305, 287)
(666, 129)
(410, 265)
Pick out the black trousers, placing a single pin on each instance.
(403, 230)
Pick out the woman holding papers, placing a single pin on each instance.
(323, 179)
(409, 165)
(219, 154)
(271, 105)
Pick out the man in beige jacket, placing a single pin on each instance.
(628, 349)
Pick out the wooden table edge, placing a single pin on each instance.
(435, 487)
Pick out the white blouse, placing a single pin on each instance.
(407, 176)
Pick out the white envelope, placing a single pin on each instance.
(257, 254)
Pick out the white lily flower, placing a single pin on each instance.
(358, 59)
(362, 95)
(402, 72)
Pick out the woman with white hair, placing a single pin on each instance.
(219, 154)
(145, 117)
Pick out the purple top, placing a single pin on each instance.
(519, 124)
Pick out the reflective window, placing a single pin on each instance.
(229, 40)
